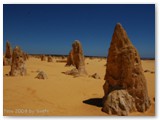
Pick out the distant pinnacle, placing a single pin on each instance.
(8, 50)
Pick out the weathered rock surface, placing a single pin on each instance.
(78, 58)
(18, 64)
(41, 75)
(124, 71)
(73, 72)
(7, 61)
(119, 102)
(50, 59)
(43, 58)
(70, 59)
(8, 50)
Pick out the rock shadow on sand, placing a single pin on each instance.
(94, 101)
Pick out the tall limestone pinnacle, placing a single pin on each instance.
(7, 59)
(76, 58)
(18, 65)
(125, 81)
(8, 50)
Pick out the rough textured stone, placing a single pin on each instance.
(124, 70)
(50, 59)
(43, 58)
(119, 102)
(42, 75)
(78, 58)
(70, 59)
(18, 64)
(8, 50)
(7, 61)
(73, 72)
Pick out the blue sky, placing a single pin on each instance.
(51, 29)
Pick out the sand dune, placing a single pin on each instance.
(62, 94)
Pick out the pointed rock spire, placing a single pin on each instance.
(8, 50)
(124, 72)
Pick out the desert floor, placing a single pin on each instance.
(60, 94)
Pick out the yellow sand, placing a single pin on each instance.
(62, 94)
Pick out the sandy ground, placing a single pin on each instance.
(60, 94)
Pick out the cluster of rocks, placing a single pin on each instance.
(125, 88)
(15, 59)
(49, 58)
(76, 58)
